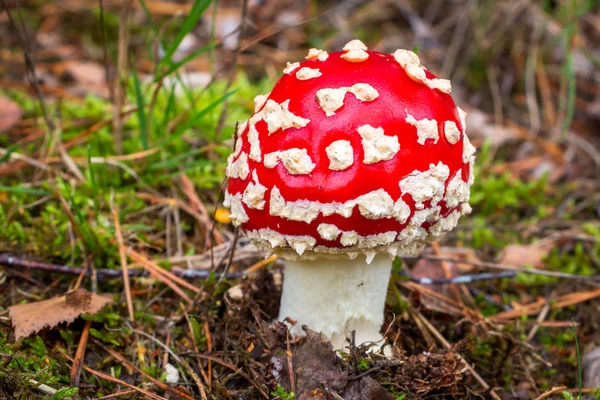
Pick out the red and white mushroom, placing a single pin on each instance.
(353, 158)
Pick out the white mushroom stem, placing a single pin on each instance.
(335, 297)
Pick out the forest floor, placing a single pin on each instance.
(116, 119)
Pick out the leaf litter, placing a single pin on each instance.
(30, 318)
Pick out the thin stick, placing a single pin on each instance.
(550, 392)
(78, 361)
(131, 365)
(137, 256)
(191, 328)
(118, 394)
(103, 274)
(260, 264)
(515, 268)
(185, 365)
(124, 267)
(236, 370)
(110, 378)
(448, 274)
(538, 322)
(447, 345)
(119, 76)
(156, 274)
(209, 348)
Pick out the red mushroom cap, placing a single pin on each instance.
(352, 152)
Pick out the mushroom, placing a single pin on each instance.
(353, 158)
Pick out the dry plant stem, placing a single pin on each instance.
(538, 322)
(124, 267)
(533, 271)
(209, 348)
(260, 264)
(550, 392)
(78, 361)
(155, 271)
(103, 274)
(236, 370)
(120, 75)
(185, 365)
(131, 365)
(192, 336)
(448, 346)
(448, 274)
(233, 70)
(336, 297)
(110, 378)
(118, 394)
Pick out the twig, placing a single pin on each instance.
(131, 365)
(550, 392)
(103, 274)
(157, 273)
(290, 362)
(118, 394)
(185, 365)
(236, 370)
(193, 337)
(78, 361)
(209, 348)
(516, 268)
(448, 274)
(447, 345)
(168, 274)
(29, 64)
(260, 264)
(538, 322)
(110, 378)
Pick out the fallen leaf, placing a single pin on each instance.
(10, 114)
(366, 388)
(86, 73)
(526, 255)
(314, 362)
(33, 317)
(433, 269)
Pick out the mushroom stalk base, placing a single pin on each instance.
(336, 297)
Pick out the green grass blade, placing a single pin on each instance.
(149, 17)
(190, 22)
(175, 66)
(139, 99)
(9, 151)
(23, 190)
(169, 109)
(197, 117)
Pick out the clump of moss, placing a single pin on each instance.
(15, 386)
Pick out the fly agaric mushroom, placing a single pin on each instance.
(353, 158)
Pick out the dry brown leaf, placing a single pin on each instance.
(86, 72)
(10, 114)
(526, 255)
(32, 317)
